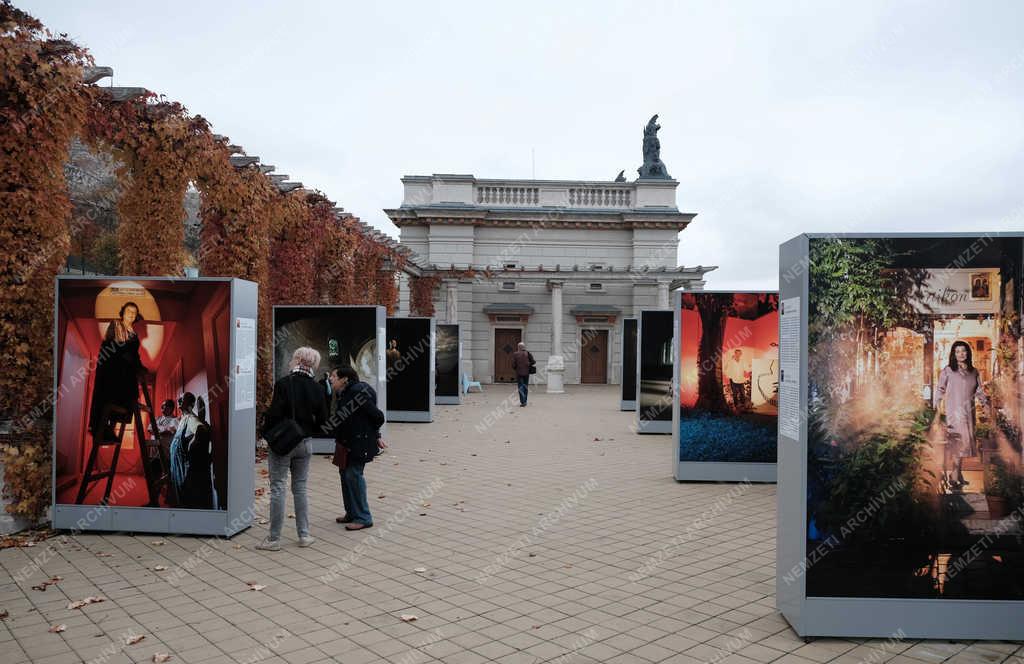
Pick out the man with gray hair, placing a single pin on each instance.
(524, 365)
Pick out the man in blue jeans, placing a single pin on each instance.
(356, 423)
(522, 363)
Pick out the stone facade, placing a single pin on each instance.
(573, 255)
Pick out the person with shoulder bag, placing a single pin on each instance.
(524, 365)
(297, 412)
(356, 424)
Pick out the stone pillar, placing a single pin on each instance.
(663, 301)
(556, 362)
(451, 311)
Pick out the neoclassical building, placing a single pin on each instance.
(557, 264)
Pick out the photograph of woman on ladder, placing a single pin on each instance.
(118, 369)
(959, 386)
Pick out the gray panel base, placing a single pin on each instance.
(722, 471)
(410, 416)
(322, 445)
(627, 405)
(447, 401)
(654, 426)
(148, 520)
(918, 618)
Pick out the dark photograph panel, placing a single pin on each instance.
(141, 417)
(629, 359)
(408, 364)
(344, 336)
(446, 361)
(655, 403)
(915, 488)
(729, 377)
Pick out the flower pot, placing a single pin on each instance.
(998, 507)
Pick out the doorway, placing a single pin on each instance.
(505, 342)
(594, 356)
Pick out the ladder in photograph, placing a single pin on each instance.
(149, 450)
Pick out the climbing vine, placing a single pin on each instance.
(42, 105)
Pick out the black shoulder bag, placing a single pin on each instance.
(533, 363)
(285, 436)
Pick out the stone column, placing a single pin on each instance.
(556, 362)
(451, 311)
(663, 301)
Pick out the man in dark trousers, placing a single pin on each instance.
(356, 424)
(523, 365)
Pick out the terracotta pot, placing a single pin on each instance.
(998, 507)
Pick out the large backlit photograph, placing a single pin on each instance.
(914, 418)
(729, 377)
(142, 393)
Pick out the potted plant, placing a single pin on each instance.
(1004, 488)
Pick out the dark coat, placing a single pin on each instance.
(310, 407)
(357, 420)
(522, 360)
(116, 381)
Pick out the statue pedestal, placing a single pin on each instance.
(556, 374)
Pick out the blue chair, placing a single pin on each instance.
(467, 383)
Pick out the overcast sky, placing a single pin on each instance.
(777, 117)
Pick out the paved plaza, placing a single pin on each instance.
(502, 534)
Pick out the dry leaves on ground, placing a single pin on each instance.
(408, 617)
(57, 629)
(255, 586)
(92, 599)
(262, 522)
(132, 639)
(160, 568)
(4, 614)
(419, 570)
(49, 582)
(158, 542)
(161, 657)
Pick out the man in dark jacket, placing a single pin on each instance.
(522, 362)
(356, 424)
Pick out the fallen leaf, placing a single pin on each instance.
(4, 614)
(161, 657)
(419, 570)
(473, 454)
(255, 586)
(104, 555)
(444, 463)
(160, 568)
(41, 586)
(57, 629)
(291, 516)
(381, 496)
(237, 546)
(425, 504)
(533, 555)
(83, 602)
(423, 513)
(132, 639)
(158, 542)
(259, 492)
(408, 617)
(56, 579)
(263, 522)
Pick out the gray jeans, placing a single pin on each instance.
(297, 461)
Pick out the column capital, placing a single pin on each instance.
(555, 283)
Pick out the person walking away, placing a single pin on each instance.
(356, 423)
(524, 365)
(298, 397)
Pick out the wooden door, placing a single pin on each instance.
(594, 356)
(505, 342)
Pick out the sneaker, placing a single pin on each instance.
(269, 545)
(306, 541)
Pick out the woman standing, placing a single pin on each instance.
(298, 397)
(960, 385)
(192, 457)
(115, 390)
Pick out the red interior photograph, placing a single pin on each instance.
(142, 393)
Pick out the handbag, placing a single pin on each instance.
(285, 436)
(533, 363)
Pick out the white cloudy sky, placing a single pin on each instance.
(778, 117)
